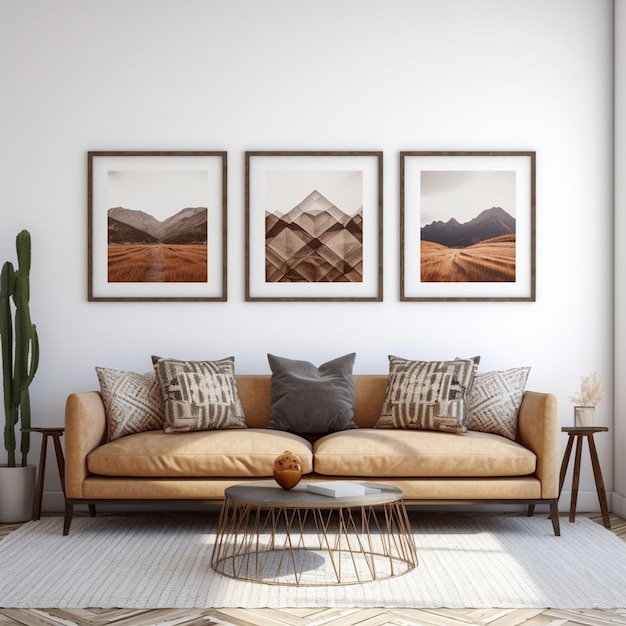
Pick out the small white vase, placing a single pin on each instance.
(583, 416)
(17, 493)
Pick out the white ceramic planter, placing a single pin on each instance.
(17, 493)
(583, 415)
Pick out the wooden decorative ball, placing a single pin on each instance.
(287, 469)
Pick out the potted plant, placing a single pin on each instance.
(20, 358)
(586, 400)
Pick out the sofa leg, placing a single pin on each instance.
(69, 513)
(531, 510)
(554, 516)
(92, 510)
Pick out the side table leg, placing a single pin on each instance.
(597, 474)
(565, 463)
(60, 460)
(40, 478)
(579, 449)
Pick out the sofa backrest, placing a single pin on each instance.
(255, 392)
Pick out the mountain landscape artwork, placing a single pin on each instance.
(479, 245)
(143, 249)
(314, 242)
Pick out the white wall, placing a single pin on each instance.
(619, 496)
(243, 75)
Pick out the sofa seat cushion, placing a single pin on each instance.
(372, 452)
(247, 452)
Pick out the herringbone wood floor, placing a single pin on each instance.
(317, 617)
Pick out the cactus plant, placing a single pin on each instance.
(20, 348)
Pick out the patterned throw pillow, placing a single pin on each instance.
(495, 401)
(427, 395)
(199, 395)
(308, 399)
(132, 402)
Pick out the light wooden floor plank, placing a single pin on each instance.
(588, 617)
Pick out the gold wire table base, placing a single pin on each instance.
(311, 545)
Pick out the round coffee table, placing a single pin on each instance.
(269, 535)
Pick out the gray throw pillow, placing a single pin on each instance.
(309, 399)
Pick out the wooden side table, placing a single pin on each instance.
(578, 433)
(56, 434)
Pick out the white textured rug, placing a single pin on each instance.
(164, 562)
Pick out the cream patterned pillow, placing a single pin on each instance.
(427, 395)
(495, 401)
(132, 402)
(199, 395)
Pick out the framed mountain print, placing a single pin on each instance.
(157, 226)
(467, 226)
(314, 226)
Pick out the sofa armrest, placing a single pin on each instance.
(539, 427)
(85, 430)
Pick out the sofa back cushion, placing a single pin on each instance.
(255, 393)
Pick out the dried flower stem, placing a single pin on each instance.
(590, 391)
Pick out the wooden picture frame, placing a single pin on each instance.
(314, 226)
(157, 226)
(467, 226)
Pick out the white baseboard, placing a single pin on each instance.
(618, 505)
(587, 501)
(52, 502)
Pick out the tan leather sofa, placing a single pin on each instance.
(430, 467)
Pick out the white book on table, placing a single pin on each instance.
(341, 489)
